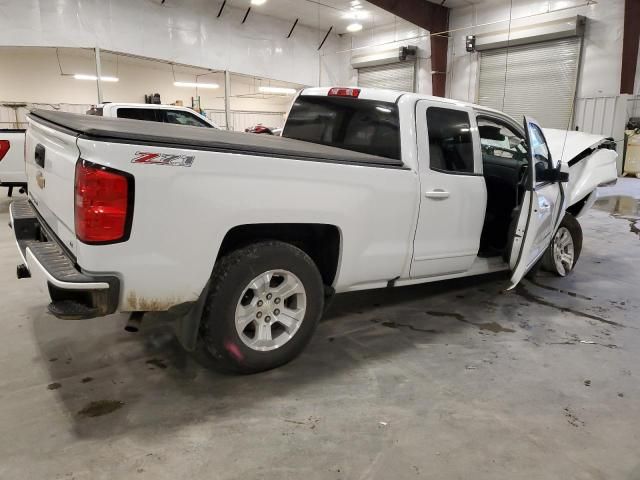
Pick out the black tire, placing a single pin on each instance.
(575, 230)
(231, 276)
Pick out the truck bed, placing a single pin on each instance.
(139, 132)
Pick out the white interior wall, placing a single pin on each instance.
(188, 32)
(33, 75)
(600, 68)
(185, 32)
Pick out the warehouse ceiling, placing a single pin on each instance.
(464, 3)
(322, 14)
(339, 14)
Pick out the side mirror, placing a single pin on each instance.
(553, 175)
(563, 177)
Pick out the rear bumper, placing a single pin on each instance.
(74, 294)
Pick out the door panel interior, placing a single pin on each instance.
(537, 223)
(504, 163)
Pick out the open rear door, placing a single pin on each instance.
(542, 205)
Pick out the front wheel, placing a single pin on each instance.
(264, 304)
(563, 252)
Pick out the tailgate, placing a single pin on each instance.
(50, 158)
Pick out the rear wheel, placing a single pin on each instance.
(263, 307)
(563, 253)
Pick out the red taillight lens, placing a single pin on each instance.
(344, 92)
(5, 145)
(102, 203)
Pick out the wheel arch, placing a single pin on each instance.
(322, 242)
(581, 206)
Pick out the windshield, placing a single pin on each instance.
(365, 126)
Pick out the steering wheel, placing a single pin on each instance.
(501, 149)
(511, 154)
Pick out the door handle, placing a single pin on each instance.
(437, 193)
(39, 155)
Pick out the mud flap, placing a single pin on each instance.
(189, 316)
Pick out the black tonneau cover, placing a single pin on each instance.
(141, 132)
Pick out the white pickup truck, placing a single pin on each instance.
(12, 170)
(243, 237)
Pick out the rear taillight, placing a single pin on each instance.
(103, 203)
(344, 92)
(5, 145)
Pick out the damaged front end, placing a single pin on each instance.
(592, 161)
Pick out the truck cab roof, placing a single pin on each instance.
(390, 96)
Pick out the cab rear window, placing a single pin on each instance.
(365, 126)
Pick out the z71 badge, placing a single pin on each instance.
(164, 159)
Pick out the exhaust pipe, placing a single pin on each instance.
(22, 271)
(133, 324)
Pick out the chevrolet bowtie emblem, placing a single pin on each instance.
(40, 180)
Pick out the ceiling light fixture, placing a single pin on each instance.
(354, 27)
(356, 15)
(258, 2)
(196, 85)
(279, 90)
(80, 76)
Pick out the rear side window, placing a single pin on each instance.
(178, 117)
(365, 126)
(148, 114)
(450, 143)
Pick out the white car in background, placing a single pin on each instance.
(12, 167)
(152, 112)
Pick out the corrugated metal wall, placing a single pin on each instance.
(606, 115)
(598, 114)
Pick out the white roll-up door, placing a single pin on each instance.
(537, 79)
(393, 76)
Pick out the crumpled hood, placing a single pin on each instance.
(593, 170)
(567, 144)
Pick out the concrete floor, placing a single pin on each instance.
(450, 380)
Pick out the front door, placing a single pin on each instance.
(542, 207)
(453, 192)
